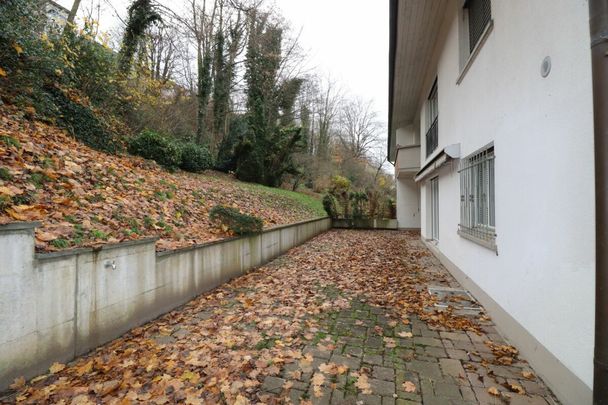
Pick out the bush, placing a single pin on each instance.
(331, 205)
(357, 199)
(235, 221)
(152, 145)
(195, 158)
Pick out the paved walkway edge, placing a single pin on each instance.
(565, 385)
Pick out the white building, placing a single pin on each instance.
(56, 14)
(491, 133)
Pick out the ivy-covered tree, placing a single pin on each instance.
(141, 16)
(265, 154)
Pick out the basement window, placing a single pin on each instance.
(477, 198)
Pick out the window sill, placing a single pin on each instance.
(473, 55)
(488, 244)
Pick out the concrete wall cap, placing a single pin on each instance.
(19, 226)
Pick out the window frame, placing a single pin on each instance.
(469, 53)
(478, 197)
(432, 120)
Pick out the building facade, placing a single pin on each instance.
(56, 14)
(491, 134)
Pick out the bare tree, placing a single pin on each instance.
(359, 127)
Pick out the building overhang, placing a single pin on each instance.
(414, 29)
(437, 160)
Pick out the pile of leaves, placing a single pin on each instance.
(84, 197)
(220, 347)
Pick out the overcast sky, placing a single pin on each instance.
(345, 39)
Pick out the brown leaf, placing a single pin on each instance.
(493, 391)
(56, 367)
(528, 375)
(409, 386)
(516, 388)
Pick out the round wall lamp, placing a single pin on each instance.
(545, 67)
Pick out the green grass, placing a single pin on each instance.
(312, 204)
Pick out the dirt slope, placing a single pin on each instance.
(84, 197)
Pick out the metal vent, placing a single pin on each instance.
(459, 299)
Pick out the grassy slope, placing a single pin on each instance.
(84, 197)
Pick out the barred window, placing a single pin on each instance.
(432, 133)
(477, 198)
(480, 14)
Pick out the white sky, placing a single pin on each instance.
(345, 39)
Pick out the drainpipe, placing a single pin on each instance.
(598, 24)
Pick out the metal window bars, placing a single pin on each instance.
(432, 138)
(432, 134)
(477, 197)
(480, 14)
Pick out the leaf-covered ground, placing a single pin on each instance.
(343, 319)
(84, 197)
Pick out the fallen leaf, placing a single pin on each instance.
(516, 388)
(528, 375)
(56, 367)
(493, 391)
(363, 384)
(405, 334)
(409, 386)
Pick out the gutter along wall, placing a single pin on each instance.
(56, 306)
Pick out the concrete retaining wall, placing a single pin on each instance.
(56, 306)
(365, 223)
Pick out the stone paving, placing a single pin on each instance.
(446, 367)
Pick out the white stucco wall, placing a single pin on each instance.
(407, 191)
(542, 130)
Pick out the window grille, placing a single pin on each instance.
(477, 197)
(480, 14)
(432, 121)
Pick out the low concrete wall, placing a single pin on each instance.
(365, 223)
(56, 306)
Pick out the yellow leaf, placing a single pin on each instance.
(85, 368)
(493, 391)
(56, 367)
(517, 388)
(527, 374)
(2, 72)
(409, 386)
(6, 191)
(17, 48)
(45, 236)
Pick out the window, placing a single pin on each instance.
(432, 120)
(479, 16)
(435, 208)
(477, 198)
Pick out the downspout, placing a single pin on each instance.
(598, 24)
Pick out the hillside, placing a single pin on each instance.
(84, 197)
